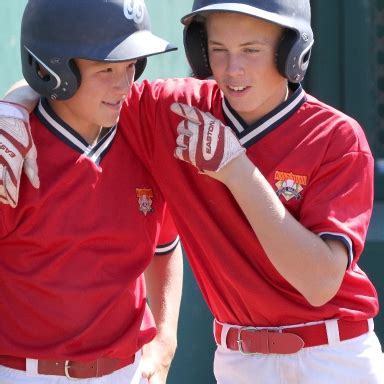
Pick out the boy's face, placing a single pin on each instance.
(99, 99)
(242, 55)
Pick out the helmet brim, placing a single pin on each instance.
(242, 9)
(136, 46)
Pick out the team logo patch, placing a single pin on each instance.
(145, 196)
(289, 185)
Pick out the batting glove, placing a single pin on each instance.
(17, 152)
(203, 140)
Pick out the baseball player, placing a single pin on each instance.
(73, 252)
(280, 186)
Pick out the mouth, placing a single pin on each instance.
(113, 104)
(237, 90)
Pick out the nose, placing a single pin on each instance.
(234, 65)
(123, 81)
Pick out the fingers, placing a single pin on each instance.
(147, 373)
(191, 113)
(31, 172)
(31, 169)
(3, 200)
(182, 152)
(3, 193)
(8, 189)
(153, 376)
(182, 141)
(16, 132)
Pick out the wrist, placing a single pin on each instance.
(10, 109)
(235, 170)
(22, 94)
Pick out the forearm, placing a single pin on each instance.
(21, 93)
(164, 280)
(314, 267)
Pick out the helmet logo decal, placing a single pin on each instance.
(134, 10)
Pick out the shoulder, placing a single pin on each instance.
(178, 89)
(334, 125)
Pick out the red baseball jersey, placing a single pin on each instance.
(316, 159)
(73, 252)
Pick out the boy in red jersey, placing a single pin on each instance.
(280, 216)
(74, 251)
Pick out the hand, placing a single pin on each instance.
(203, 140)
(22, 94)
(17, 152)
(156, 359)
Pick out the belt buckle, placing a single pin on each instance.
(66, 371)
(240, 342)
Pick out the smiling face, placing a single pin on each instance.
(242, 54)
(98, 101)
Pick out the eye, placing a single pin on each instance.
(251, 50)
(106, 70)
(217, 49)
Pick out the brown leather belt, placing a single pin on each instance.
(71, 369)
(250, 340)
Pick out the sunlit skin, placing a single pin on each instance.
(242, 55)
(98, 101)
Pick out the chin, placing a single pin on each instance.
(241, 107)
(110, 122)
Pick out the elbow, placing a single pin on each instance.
(318, 300)
(320, 296)
(324, 288)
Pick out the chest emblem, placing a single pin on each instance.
(145, 199)
(289, 185)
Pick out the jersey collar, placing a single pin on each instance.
(249, 134)
(70, 137)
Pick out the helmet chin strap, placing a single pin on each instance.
(287, 92)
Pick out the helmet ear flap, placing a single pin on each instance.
(76, 78)
(140, 66)
(46, 81)
(196, 49)
(284, 49)
(292, 59)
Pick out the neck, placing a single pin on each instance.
(88, 130)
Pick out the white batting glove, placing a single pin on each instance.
(203, 140)
(17, 152)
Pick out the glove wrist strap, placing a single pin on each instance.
(13, 110)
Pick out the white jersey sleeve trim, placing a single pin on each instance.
(345, 239)
(163, 249)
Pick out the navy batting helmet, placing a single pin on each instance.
(54, 32)
(294, 15)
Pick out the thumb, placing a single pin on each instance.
(186, 111)
(31, 169)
